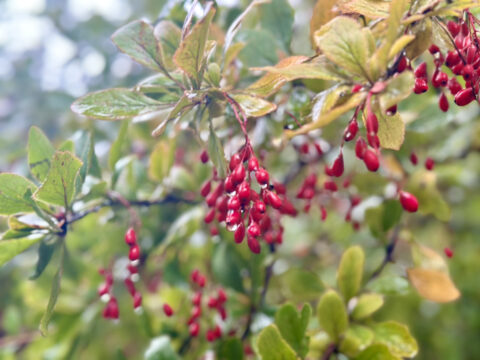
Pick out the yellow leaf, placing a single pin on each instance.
(433, 285)
(254, 106)
(399, 45)
(323, 12)
(370, 8)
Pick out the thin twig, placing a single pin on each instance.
(390, 248)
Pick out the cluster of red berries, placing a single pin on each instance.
(106, 295)
(234, 201)
(214, 302)
(464, 61)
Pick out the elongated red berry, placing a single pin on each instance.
(351, 130)
(402, 64)
(209, 216)
(234, 161)
(413, 158)
(467, 72)
(204, 157)
(239, 233)
(453, 27)
(238, 174)
(373, 140)
(360, 148)
(234, 203)
(134, 253)
(131, 237)
(452, 59)
(440, 79)
(222, 296)
(243, 192)
(196, 312)
(262, 176)
(130, 286)
(253, 245)
(206, 187)
(421, 70)
(210, 336)
(408, 201)
(454, 86)
(330, 185)
(260, 206)
(392, 110)
(372, 123)
(253, 164)
(323, 212)
(233, 218)
(443, 103)
(448, 252)
(464, 97)
(194, 329)
(371, 160)
(137, 300)
(337, 166)
(356, 88)
(433, 49)
(274, 199)
(429, 163)
(253, 230)
(421, 86)
(197, 298)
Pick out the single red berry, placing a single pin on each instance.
(467, 72)
(253, 245)
(201, 281)
(408, 201)
(452, 59)
(464, 97)
(356, 88)
(194, 329)
(253, 164)
(229, 185)
(234, 161)
(212, 302)
(239, 233)
(262, 176)
(260, 206)
(213, 229)
(206, 187)
(210, 335)
(111, 310)
(197, 298)
(234, 203)
(457, 69)
(330, 185)
(439, 79)
(137, 300)
(217, 331)
(453, 27)
(429, 163)
(131, 237)
(471, 54)
(337, 166)
(323, 212)
(280, 188)
(421, 70)
(414, 158)
(222, 296)
(253, 230)
(392, 110)
(443, 102)
(402, 64)
(204, 157)
(373, 140)
(273, 199)
(233, 218)
(371, 160)
(433, 49)
(360, 148)
(130, 286)
(134, 253)
(351, 130)
(243, 192)
(194, 275)
(372, 123)
(448, 252)
(209, 216)
(103, 290)
(421, 86)
(238, 174)
(196, 312)
(454, 86)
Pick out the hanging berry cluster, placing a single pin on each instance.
(216, 303)
(463, 61)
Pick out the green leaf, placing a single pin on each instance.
(259, 49)
(137, 40)
(332, 316)
(382, 218)
(59, 187)
(356, 339)
(12, 190)
(423, 38)
(160, 348)
(271, 346)
(169, 35)
(397, 338)
(190, 56)
(389, 285)
(161, 159)
(227, 265)
(376, 352)
(366, 305)
(277, 17)
(40, 152)
(344, 42)
(369, 8)
(398, 89)
(216, 153)
(116, 104)
(11, 248)
(350, 271)
(293, 325)
(391, 130)
(230, 349)
(116, 148)
(254, 106)
(86, 153)
(53, 294)
(67, 145)
(45, 252)
(301, 284)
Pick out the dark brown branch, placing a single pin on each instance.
(389, 250)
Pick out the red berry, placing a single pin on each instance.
(457, 69)
(421, 86)
(206, 187)
(467, 72)
(194, 275)
(130, 286)
(421, 70)
(330, 185)
(443, 103)
(214, 230)
(260, 206)
(196, 312)
(464, 97)
(414, 158)
(402, 64)
(243, 192)
(448, 252)
(253, 164)
(452, 59)
(280, 188)
(229, 185)
(433, 49)
(222, 296)
(239, 233)
(209, 216)
(137, 300)
(103, 289)
(204, 156)
(453, 27)
(262, 176)
(134, 253)
(408, 201)
(356, 88)
(371, 160)
(360, 148)
(197, 298)
(130, 237)
(234, 203)
(111, 310)
(454, 86)
(372, 123)
(439, 79)
(254, 230)
(373, 140)
(233, 218)
(212, 303)
(217, 331)
(253, 245)
(392, 110)
(201, 281)
(273, 199)
(323, 213)
(351, 130)
(337, 167)
(429, 163)
(194, 329)
(234, 161)
(238, 175)
(210, 335)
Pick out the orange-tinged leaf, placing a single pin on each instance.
(433, 285)
(323, 12)
(369, 8)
